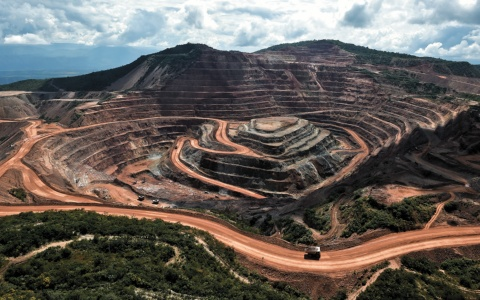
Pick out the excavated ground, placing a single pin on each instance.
(251, 132)
(207, 136)
(320, 87)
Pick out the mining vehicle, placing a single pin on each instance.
(141, 197)
(155, 201)
(312, 252)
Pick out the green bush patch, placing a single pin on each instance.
(319, 218)
(122, 258)
(18, 193)
(366, 213)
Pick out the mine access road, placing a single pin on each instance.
(251, 246)
(331, 262)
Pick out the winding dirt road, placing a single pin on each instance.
(222, 137)
(438, 211)
(332, 262)
(31, 180)
(175, 158)
(367, 254)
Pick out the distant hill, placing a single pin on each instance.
(141, 73)
(155, 70)
(365, 55)
(20, 62)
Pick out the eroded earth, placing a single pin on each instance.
(273, 132)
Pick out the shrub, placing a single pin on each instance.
(422, 265)
(294, 232)
(451, 206)
(18, 193)
(366, 213)
(318, 219)
(467, 270)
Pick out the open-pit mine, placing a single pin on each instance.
(267, 135)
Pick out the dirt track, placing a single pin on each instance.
(31, 181)
(175, 157)
(222, 137)
(438, 211)
(332, 262)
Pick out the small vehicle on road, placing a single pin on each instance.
(312, 252)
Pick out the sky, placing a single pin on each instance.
(448, 29)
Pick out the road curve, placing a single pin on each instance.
(438, 211)
(175, 158)
(31, 180)
(347, 260)
(222, 137)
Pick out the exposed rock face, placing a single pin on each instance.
(475, 183)
(96, 153)
(292, 154)
(341, 107)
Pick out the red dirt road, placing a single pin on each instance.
(438, 211)
(332, 262)
(222, 137)
(175, 157)
(31, 181)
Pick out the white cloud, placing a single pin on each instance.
(27, 38)
(412, 26)
(464, 50)
(198, 17)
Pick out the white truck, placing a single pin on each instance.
(312, 252)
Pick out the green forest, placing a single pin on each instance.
(422, 278)
(111, 257)
(367, 213)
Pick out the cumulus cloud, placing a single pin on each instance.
(262, 12)
(198, 17)
(28, 38)
(462, 51)
(442, 11)
(412, 26)
(357, 16)
(141, 25)
(466, 48)
(249, 35)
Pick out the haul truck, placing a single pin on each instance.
(312, 252)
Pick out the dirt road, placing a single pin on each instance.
(369, 253)
(222, 137)
(438, 211)
(363, 153)
(175, 158)
(31, 180)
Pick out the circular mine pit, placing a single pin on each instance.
(291, 154)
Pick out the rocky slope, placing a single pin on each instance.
(364, 104)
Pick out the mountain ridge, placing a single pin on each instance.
(153, 71)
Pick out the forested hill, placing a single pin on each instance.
(109, 257)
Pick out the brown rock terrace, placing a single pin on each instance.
(283, 122)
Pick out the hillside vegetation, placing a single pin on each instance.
(365, 55)
(366, 213)
(24, 85)
(174, 59)
(122, 258)
(422, 278)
